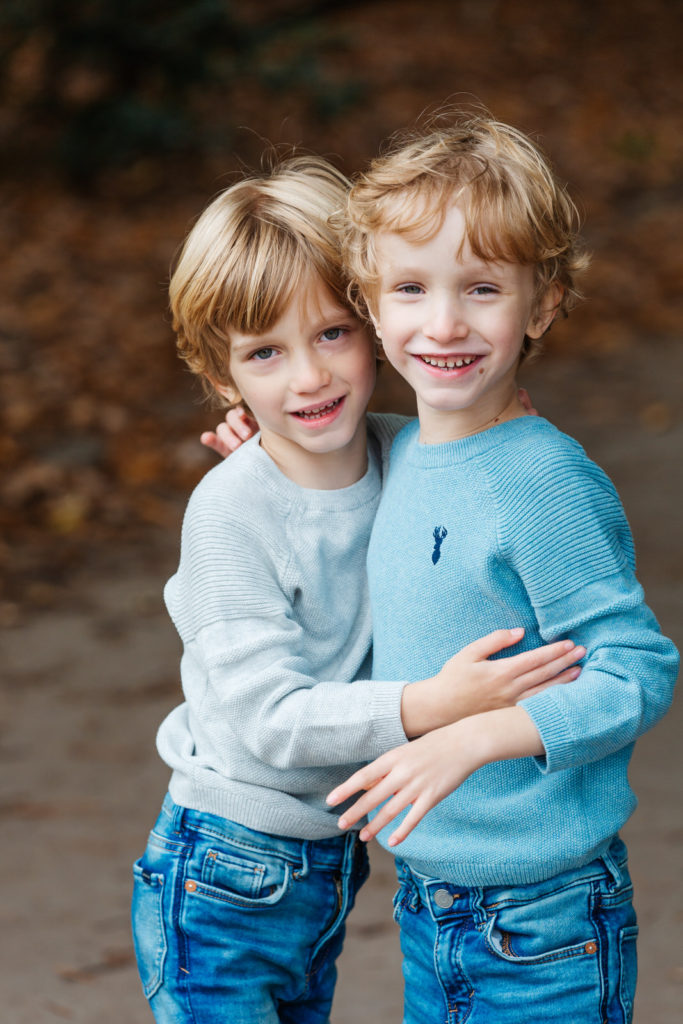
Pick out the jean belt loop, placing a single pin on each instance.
(613, 869)
(177, 818)
(477, 905)
(350, 846)
(413, 896)
(305, 859)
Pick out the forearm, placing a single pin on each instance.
(424, 772)
(288, 720)
(473, 682)
(627, 680)
(498, 736)
(424, 707)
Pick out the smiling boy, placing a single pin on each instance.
(515, 901)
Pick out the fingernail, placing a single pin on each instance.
(342, 823)
(516, 632)
(364, 835)
(329, 799)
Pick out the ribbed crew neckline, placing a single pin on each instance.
(335, 500)
(449, 452)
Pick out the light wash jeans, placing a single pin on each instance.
(237, 926)
(562, 951)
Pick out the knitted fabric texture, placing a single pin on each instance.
(271, 603)
(517, 527)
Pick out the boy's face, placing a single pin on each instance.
(308, 380)
(453, 327)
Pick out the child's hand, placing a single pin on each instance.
(420, 773)
(423, 772)
(485, 685)
(523, 396)
(469, 683)
(237, 428)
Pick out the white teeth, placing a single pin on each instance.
(313, 414)
(449, 364)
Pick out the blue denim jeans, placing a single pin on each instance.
(562, 950)
(237, 926)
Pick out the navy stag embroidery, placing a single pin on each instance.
(440, 533)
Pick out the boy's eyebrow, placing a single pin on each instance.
(334, 315)
(249, 341)
(474, 265)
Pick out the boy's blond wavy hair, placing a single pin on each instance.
(251, 249)
(515, 209)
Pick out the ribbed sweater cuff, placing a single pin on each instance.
(554, 730)
(385, 708)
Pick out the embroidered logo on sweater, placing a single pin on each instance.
(440, 533)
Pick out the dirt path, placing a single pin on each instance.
(85, 686)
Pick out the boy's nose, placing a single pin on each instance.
(310, 376)
(445, 322)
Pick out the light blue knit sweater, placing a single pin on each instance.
(517, 527)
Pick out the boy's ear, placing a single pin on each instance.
(375, 324)
(545, 312)
(228, 392)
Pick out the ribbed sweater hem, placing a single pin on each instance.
(254, 814)
(480, 873)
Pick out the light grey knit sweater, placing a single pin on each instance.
(271, 603)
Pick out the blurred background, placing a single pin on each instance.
(119, 121)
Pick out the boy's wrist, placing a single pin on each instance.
(423, 707)
(499, 736)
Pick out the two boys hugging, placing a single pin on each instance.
(460, 246)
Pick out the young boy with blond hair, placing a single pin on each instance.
(242, 893)
(515, 900)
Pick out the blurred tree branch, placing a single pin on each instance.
(87, 86)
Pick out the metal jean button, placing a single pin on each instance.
(444, 899)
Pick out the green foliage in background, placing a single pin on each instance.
(93, 84)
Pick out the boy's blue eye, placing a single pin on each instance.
(263, 353)
(332, 334)
(484, 289)
(410, 289)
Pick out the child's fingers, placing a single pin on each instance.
(239, 422)
(210, 440)
(524, 398)
(228, 437)
(364, 778)
(540, 658)
(370, 800)
(550, 669)
(390, 810)
(492, 643)
(564, 677)
(412, 818)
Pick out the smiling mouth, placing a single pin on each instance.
(449, 362)
(317, 412)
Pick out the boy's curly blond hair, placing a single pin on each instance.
(251, 249)
(515, 209)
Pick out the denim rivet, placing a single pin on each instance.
(190, 886)
(443, 899)
(590, 947)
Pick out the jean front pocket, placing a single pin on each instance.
(149, 933)
(243, 878)
(554, 926)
